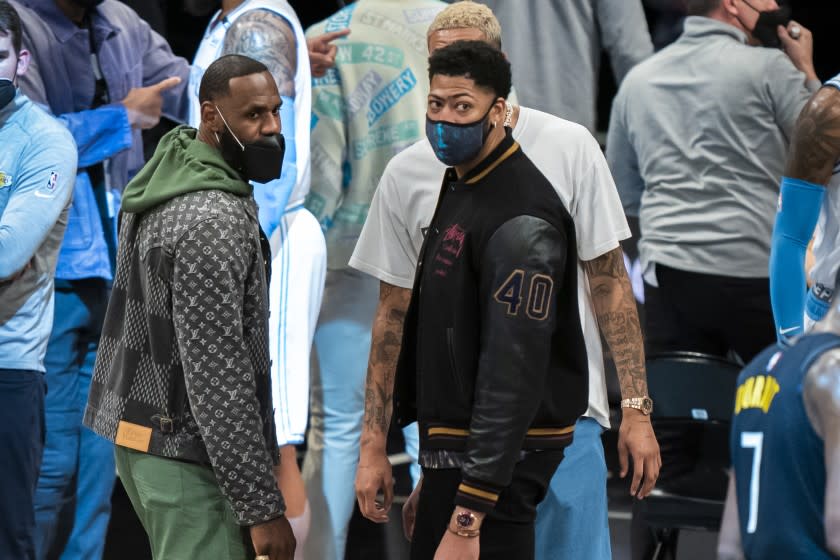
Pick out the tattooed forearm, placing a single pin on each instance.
(815, 146)
(386, 340)
(268, 38)
(615, 307)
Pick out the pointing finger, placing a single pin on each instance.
(332, 36)
(168, 83)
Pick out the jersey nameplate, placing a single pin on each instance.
(757, 391)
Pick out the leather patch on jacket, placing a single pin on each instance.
(133, 436)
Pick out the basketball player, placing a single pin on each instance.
(786, 451)
(805, 202)
(572, 520)
(269, 31)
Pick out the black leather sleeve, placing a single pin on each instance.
(521, 273)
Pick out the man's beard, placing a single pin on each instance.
(201, 7)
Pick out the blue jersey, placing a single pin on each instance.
(778, 457)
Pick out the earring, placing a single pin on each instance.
(494, 124)
(217, 137)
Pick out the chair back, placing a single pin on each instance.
(691, 386)
(693, 397)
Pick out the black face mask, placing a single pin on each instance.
(765, 30)
(260, 161)
(7, 92)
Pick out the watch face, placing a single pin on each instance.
(464, 519)
(647, 405)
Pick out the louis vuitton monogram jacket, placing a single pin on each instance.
(183, 364)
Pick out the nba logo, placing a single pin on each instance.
(53, 181)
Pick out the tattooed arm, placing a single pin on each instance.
(268, 38)
(814, 151)
(615, 307)
(815, 146)
(374, 472)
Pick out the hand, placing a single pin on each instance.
(453, 547)
(322, 51)
(144, 105)
(290, 482)
(372, 476)
(274, 539)
(636, 439)
(800, 50)
(409, 511)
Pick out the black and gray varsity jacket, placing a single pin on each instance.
(183, 364)
(493, 359)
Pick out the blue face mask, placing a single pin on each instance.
(455, 143)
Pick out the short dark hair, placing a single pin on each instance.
(701, 7)
(476, 60)
(10, 24)
(216, 80)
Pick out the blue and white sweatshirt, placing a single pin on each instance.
(37, 172)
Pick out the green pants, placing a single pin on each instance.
(181, 508)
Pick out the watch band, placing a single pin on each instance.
(466, 533)
(644, 404)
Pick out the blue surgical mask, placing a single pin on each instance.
(455, 143)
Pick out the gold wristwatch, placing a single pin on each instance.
(466, 524)
(644, 404)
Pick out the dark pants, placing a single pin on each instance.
(21, 446)
(508, 531)
(718, 315)
(707, 313)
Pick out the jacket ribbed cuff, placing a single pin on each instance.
(476, 495)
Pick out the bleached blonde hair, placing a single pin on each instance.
(472, 15)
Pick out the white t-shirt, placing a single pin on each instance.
(566, 153)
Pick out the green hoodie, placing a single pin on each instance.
(181, 164)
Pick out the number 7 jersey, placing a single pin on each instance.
(777, 456)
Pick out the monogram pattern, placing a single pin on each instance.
(185, 345)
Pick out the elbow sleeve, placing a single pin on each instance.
(799, 209)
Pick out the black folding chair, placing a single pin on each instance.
(693, 395)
